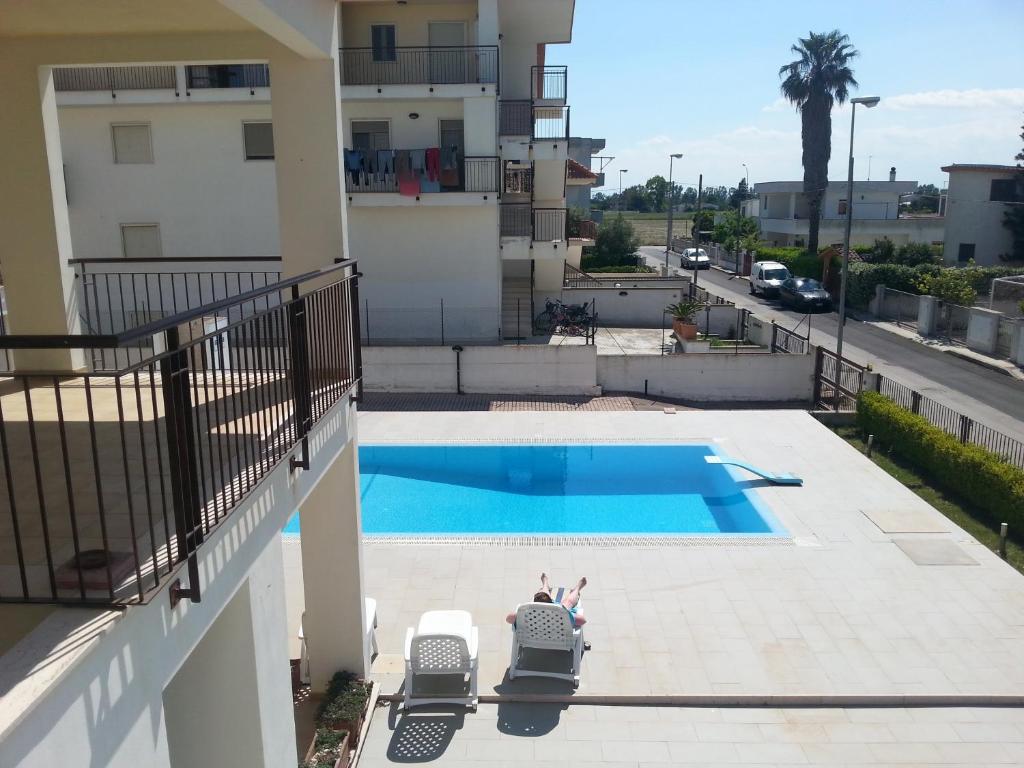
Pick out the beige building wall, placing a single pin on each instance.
(406, 132)
(972, 218)
(206, 197)
(410, 21)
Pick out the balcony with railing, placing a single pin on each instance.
(541, 225)
(548, 85)
(420, 65)
(520, 117)
(216, 76)
(113, 478)
(468, 174)
(582, 230)
(114, 78)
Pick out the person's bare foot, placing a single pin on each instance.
(544, 581)
(582, 583)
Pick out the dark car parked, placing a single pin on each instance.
(804, 294)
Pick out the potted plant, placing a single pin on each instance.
(682, 319)
(329, 749)
(344, 705)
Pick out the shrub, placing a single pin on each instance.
(797, 260)
(345, 699)
(621, 268)
(915, 254)
(616, 243)
(949, 285)
(983, 478)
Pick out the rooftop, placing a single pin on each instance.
(980, 168)
(881, 185)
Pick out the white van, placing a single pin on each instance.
(766, 277)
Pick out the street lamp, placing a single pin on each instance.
(869, 102)
(668, 242)
(619, 202)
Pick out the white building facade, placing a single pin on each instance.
(782, 212)
(455, 137)
(976, 202)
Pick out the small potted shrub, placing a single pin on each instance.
(344, 705)
(329, 749)
(682, 319)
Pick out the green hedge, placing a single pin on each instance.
(797, 260)
(621, 268)
(979, 476)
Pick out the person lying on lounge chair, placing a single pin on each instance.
(570, 600)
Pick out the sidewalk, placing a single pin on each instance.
(992, 363)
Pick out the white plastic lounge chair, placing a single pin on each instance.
(369, 614)
(443, 643)
(546, 627)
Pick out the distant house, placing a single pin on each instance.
(782, 212)
(581, 150)
(977, 198)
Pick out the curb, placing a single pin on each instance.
(983, 363)
(770, 701)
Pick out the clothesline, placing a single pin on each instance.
(416, 170)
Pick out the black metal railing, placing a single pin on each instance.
(114, 78)
(548, 83)
(516, 219)
(549, 224)
(112, 480)
(957, 424)
(420, 65)
(469, 174)
(576, 278)
(584, 229)
(117, 294)
(515, 117)
(251, 76)
(550, 124)
(704, 296)
(517, 181)
(837, 382)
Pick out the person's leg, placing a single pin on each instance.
(573, 598)
(546, 584)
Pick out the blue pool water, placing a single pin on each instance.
(548, 489)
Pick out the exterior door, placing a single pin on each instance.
(448, 53)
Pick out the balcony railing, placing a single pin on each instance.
(548, 83)
(583, 230)
(540, 123)
(420, 65)
(549, 224)
(516, 220)
(518, 181)
(473, 174)
(113, 479)
(249, 76)
(113, 78)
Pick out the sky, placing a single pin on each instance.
(655, 77)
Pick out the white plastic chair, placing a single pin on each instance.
(443, 643)
(546, 627)
(369, 614)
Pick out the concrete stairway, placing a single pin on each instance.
(516, 313)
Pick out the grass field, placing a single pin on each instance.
(652, 231)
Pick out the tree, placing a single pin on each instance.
(951, 285)
(616, 242)
(703, 221)
(817, 80)
(1013, 216)
(739, 194)
(733, 229)
(657, 192)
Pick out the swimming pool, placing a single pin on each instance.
(554, 489)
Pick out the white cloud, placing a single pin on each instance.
(781, 104)
(975, 98)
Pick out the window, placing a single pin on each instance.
(764, 202)
(842, 207)
(259, 141)
(141, 241)
(382, 38)
(133, 143)
(371, 135)
(965, 252)
(1007, 191)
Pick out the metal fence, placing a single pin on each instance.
(960, 426)
(427, 322)
(548, 83)
(114, 78)
(550, 123)
(112, 481)
(837, 382)
(953, 321)
(420, 65)
(900, 307)
(475, 174)
(251, 76)
(704, 296)
(1010, 329)
(549, 224)
(515, 117)
(516, 219)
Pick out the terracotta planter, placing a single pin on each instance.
(687, 331)
(343, 751)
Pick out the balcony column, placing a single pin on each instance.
(332, 572)
(305, 102)
(39, 283)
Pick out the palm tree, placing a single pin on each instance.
(818, 79)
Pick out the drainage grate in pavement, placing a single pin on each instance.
(390, 401)
(581, 541)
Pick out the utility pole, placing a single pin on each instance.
(696, 228)
(671, 205)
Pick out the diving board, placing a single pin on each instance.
(787, 479)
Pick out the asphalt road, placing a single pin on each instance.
(990, 397)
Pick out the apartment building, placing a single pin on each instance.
(165, 411)
(782, 212)
(978, 196)
(455, 133)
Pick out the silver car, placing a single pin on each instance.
(695, 258)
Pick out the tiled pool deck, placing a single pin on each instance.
(842, 610)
